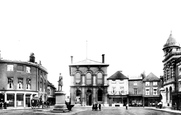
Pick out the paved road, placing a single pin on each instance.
(88, 111)
(123, 111)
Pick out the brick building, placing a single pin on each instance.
(136, 91)
(51, 93)
(21, 81)
(88, 82)
(151, 90)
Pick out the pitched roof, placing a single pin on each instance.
(89, 62)
(117, 75)
(151, 77)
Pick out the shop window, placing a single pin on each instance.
(28, 69)
(28, 83)
(77, 78)
(99, 78)
(10, 82)
(19, 102)
(20, 83)
(10, 68)
(10, 100)
(88, 79)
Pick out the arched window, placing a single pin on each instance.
(78, 97)
(99, 78)
(170, 93)
(166, 94)
(100, 93)
(77, 78)
(88, 79)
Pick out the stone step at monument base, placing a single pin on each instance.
(60, 108)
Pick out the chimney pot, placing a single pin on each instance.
(103, 60)
(71, 59)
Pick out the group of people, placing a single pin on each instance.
(3, 105)
(96, 106)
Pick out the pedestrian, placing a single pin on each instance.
(99, 107)
(126, 106)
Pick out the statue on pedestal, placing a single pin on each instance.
(60, 83)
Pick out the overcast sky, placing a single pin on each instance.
(131, 33)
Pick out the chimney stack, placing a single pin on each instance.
(71, 59)
(32, 58)
(103, 58)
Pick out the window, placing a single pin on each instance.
(99, 78)
(154, 83)
(147, 91)
(48, 91)
(20, 68)
(41, 84)
(154, 91)
(10, 67)
(77, 78)
(10, 82)
(135, 91)
(147, 83)
(88, 79)
(20, 83)
(135, 83)
(28, 83)
(27, 69)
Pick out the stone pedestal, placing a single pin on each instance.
(60, 105)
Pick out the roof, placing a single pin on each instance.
(89, 62)
(51, 85)
(24, 63)
(171, 42)
(117, 75)
(135, 78)
(151, 77)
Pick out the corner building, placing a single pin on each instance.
(88, 82)
(21, 81)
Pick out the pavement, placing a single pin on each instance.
(75, 110)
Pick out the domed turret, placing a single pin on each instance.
(171, 42)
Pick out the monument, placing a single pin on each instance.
(60, 105)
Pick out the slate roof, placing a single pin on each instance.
(171, 42)
(89, 62)
(117, 76)
(151, 77)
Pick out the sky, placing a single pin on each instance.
(131, 33)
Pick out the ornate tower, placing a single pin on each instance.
(171, 53)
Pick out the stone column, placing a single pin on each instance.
(24, 99)
(105, 79)
(94, 95)
(5, 97)
(105, 98)
(15, 100)
(83, 79)
(94, 79)
(83, 96)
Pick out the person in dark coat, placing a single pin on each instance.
(99, 107)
